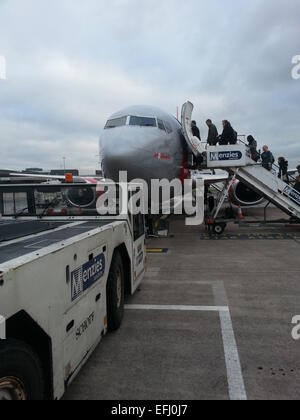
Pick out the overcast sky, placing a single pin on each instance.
(72, 63)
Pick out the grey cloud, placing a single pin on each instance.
(72, 64)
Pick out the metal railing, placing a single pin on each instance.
(275, 168)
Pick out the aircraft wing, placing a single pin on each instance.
(44, 178)
(37, 176)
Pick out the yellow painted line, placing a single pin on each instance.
(157, 250)
(154, 250)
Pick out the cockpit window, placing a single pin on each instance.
(168, 127)
(143, 121)
(161, 125)
(116, 122)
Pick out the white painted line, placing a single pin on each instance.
(177, 308)
(236, 386)
(237, 391)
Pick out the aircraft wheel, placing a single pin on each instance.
(219, 228)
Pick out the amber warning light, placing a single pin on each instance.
(69, 178)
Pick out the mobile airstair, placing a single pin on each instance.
(236, 160)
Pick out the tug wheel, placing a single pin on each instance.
(115, 293)
(21, 374)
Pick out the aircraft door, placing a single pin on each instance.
(186, 119)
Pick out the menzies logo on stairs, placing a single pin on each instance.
(225, 156)
(88, 274)
(292, 194)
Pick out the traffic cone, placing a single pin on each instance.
(240, 213)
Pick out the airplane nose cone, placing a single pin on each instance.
(127, 149)
(114, 163)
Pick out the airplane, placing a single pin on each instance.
(149, 144)
(146, 142)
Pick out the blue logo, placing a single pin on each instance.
(88, 274)
(225, 156)
(292, 194)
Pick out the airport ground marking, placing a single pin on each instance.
(249, 237)
(157, 250)
(235, 378)
(236, 385)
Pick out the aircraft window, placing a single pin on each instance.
(143, 121)
(168, 127)
(117, 122)
(160, 124)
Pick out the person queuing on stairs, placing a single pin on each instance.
(253, 148)
(297, 185)
(267, 158)
(229, 135)
(195, 130)
(283, 169)
(213, 134)
(197, 161)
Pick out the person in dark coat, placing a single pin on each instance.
(213, 134)
(195, 130)
(196, 133)
(297, 184)
(253, 148)
(229, 136)
(267, 159)
(283, 169)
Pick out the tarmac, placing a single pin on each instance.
(212, 320)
